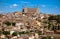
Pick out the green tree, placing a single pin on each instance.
(49, 37)
(13, 23)
(49, 25)
(31, 30)
(27, 32)
(45, 26)
(6, 32)
(55, 17)
(23, 32)
(44, 37)
(14, 34)
(0, 32)
(39, 32)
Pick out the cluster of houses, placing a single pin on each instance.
(28, 24)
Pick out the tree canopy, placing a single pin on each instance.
(55, 17)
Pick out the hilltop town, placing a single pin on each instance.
(28, 24)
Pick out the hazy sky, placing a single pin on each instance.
(45, 6)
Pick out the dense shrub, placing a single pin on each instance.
(23, 32)
(55, 17)
(6, 32)
(44, 37)
(14, 34)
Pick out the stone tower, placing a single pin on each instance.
(30, 10)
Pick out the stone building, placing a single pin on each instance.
(30, 10)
